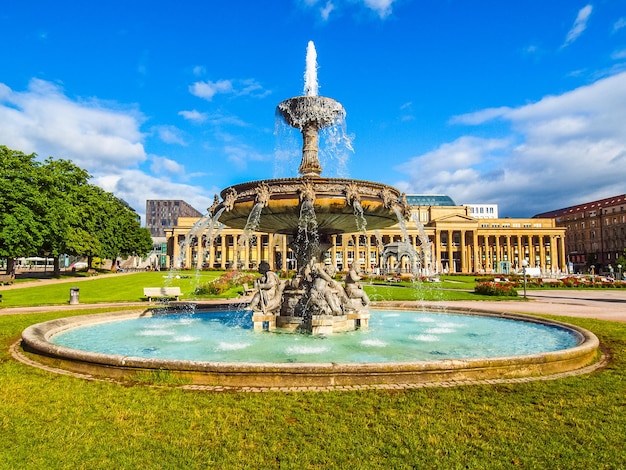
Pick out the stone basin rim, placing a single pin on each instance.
(36, 340)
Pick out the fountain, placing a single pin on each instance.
(310, 209)
(400, 347)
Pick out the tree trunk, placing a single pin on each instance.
(56, 270)
(11, 266)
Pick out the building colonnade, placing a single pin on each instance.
(456, 243)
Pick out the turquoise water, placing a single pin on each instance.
(393, 336)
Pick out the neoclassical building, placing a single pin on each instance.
(444, 235)
(596, 233)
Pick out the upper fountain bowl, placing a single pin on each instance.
(311, 110)
(336, 202)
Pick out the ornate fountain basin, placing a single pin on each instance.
(333, 200)
(305, 110)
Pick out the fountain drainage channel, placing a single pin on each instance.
(265, 375)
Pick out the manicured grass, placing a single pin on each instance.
(129, 288)
(50, 421)
(110, 288)
(423, 292)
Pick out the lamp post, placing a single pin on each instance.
(524, 266)
(619, 269)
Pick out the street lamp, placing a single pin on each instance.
(524, 266)
(619, 268)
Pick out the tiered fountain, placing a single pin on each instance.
(215, 348)
(309, 209)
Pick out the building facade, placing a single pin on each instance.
(596, 233)
(164, 213)
(446, 236)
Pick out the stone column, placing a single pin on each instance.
(450, 252)
(437, 251)
(542, 252)
(224, 248)
(463, 254)
(175, 249)
(562, 260)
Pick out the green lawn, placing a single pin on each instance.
(129, 288)
(50, 421)
(111, 288)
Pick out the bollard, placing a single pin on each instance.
(74, 295)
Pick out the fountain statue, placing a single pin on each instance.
(310, 209)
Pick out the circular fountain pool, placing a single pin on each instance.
(221, 348)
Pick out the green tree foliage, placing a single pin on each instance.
(51, 209)
(20, 205)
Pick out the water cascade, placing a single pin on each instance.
(310, 209)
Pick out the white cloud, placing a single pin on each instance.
(619, 24)
(327, 10)
(559, 151)
(100, 137)
(194, 116)
(580, 24)
(135, 187)
(90, 133)
(170, 134)
(209, 89)
(381, 7)
(163, 165)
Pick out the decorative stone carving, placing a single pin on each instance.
(354, 290)
(388, 198)
(215, 205)
(230, 198)
(352, 193)
(267, 299)
(307, 192)
(263, 193)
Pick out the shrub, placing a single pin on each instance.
(500, 289)
(225, 282)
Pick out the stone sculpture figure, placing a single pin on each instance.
(322, 295)
(354, 290)
(268, 297)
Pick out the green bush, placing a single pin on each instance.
(499, 289)
(225, 282)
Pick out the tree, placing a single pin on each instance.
(51, 209)
(21, 206)
(61, 182)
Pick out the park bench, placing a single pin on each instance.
(247, 290)
(161, 293)
(6, 279)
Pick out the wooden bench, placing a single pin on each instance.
(247, 290)
(161, 293)
(6, 279)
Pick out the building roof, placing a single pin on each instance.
(593, 205)
(429, 200)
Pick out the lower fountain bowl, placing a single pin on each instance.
(36, 340)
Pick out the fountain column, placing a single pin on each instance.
(310, 164)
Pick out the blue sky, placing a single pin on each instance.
(522, 104)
